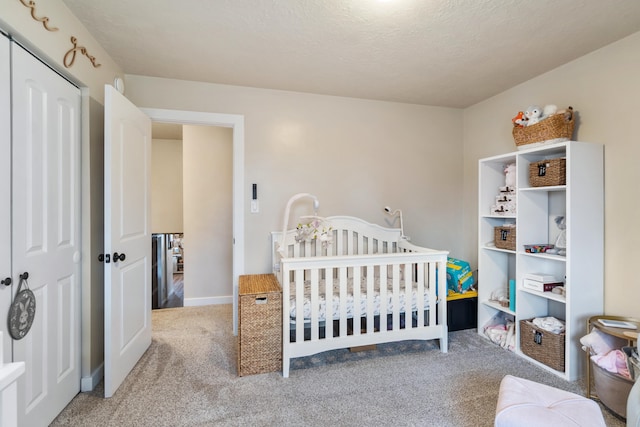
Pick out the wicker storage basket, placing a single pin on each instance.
(548, 172)
(556, 128)
(504, 237)
(612, 389)
(260, 324)
(543, 346)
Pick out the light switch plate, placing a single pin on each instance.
(255, 206)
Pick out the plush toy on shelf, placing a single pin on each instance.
(506, 198)
(567, 113)
(533, 115)
(520, 119)
(510, 175)
(561, 241)
(549, 110)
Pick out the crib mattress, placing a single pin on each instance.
(355, 309)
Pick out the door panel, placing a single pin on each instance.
(66, 177)
(66, 289)
(136, 320)
(46, 233)
(30, 167)
(127, 282)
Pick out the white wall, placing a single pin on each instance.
(166, 186)
(207, 241)
(356, 155)
(603, 87)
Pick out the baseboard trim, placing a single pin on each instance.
(193, 302)
(89, 383)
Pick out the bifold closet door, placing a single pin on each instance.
(5, 194)
(46, 234)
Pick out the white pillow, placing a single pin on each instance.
(598, 342)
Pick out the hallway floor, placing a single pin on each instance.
(176, 299)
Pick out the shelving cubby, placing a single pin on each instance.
(581, 202)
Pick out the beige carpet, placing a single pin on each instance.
(188, 378)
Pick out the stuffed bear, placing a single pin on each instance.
(533, 115)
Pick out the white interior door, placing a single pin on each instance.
(5, 195)
(127, 231)
(46, 234)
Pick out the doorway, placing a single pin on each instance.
(167, 216)
(236, 123)
(191, 214)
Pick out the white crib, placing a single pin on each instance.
(339, 289)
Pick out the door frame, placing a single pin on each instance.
(236, 123)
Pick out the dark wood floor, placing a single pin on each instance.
(176, 299)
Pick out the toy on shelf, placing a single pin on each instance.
(520, 119)
(542, 125)
(561, 241)
(510, 175)
(506, 198)
(533, 115)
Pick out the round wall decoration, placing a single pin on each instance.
(22, 311)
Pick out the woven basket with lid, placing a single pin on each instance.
(548, 172)
(543, 346)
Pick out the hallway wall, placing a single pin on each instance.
(166, 186)
(207, 158)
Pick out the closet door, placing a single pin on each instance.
(5, 195)
(46, 234)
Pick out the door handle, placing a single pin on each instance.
(118, 257)
(6, 282)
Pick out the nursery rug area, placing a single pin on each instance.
(188, 377)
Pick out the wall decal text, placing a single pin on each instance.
(70, 56)
(45, 19)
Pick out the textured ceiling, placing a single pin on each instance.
(451, 53)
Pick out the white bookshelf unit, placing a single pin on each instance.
(581, 202)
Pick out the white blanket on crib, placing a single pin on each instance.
(350, 301)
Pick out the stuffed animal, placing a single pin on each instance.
(520, 119)
(561, 241)
(533, 115)
(566, 112)
(510, 175)
(549, 110)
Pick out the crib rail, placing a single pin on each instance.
(362, 278)
(374, 267)
(349, 236)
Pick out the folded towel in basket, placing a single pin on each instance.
(550, 324)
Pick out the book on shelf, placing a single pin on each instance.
(617, 324)
(540, 286)
(540, 277)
